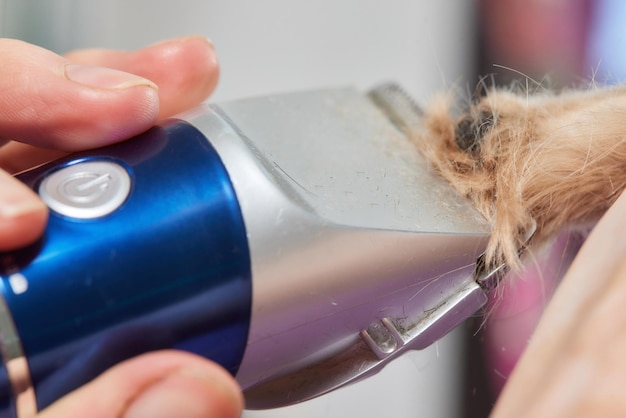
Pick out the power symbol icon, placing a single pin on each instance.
(85, 190)
(85, 187)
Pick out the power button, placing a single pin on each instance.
(86, 190)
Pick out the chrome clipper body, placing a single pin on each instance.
(346, 249)
(360, 251)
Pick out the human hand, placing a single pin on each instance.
(50, 105)
(163, 384)
(574, 365)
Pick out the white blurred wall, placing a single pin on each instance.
(281, 45)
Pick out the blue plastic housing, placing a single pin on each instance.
(170, 268)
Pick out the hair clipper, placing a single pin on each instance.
(299, 240)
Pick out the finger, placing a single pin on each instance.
(47, 101)
(157, 385)
(185, 69)
(22, 215)
(585, 378)
(573, 351)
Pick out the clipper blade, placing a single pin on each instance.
(398, 106)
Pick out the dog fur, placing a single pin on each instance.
(531, 163)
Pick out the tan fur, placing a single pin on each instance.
(557, 160)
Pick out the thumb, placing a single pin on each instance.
(166, 384)
(47, 101)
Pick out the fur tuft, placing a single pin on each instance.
(544, 161)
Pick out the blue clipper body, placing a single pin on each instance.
(299, 240)
(167, 268)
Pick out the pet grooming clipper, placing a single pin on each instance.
(299, 240)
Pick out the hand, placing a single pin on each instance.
(574, 365)
(165, 384)
(88, 98)
(51, 104)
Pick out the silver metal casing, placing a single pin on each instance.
(359, 251)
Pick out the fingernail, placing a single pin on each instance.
(209, 41)
(107, 78)
(186, 393)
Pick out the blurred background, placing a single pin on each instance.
(275, 45)
(564, 42)
(426, 46)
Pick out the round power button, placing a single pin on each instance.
(86, 190)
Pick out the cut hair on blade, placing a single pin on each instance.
(544, 160)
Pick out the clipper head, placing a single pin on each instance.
(360, 251)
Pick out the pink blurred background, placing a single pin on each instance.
(562, 43)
